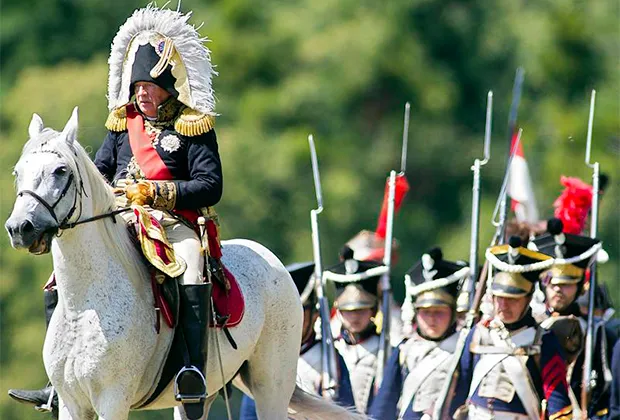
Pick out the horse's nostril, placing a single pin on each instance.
(27, 227)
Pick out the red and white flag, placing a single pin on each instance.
(520, 186)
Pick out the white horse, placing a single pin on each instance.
(102, 353)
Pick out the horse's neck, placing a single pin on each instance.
(85, 261)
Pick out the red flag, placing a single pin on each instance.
(402, 187)
(520, 187)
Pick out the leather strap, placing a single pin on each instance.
(417, 376)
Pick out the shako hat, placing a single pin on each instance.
(434, 281)
(357, 280)
(517, 268)
(572, 253)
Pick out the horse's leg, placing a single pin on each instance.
(75, 413)
(271, 372)
(179, 414)
(113, 404)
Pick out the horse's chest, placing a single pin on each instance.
(75, 346)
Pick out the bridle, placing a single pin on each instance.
(65, 224)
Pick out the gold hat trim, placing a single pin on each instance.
(515, 280)
(434, 298)
(354, 297)
(504, 249)
(564, 274)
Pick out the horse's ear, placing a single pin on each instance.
(70, 130)
(36, 126)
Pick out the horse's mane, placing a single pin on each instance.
(96, 188)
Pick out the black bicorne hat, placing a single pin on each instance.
(146, 59)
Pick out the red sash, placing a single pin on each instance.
(147, 157)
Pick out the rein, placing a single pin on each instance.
(64, 224)
(93, 219)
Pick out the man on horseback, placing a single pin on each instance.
(161, 152)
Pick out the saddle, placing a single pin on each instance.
(165, 266)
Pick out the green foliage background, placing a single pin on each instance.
(343, 71)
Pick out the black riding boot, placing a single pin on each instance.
(40, 398)
(191, 386)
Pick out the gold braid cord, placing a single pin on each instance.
(193, 123)
(165, 195)
(117, 120)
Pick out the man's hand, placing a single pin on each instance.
(141, 193)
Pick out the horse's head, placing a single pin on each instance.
(48, 183)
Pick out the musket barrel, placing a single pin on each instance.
(328, 356)
(464, 302)
(385, 281)
(589, 380)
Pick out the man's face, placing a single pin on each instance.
(356, 321)
(149, 96)
(559, 296)
(435, 321)
(510, 310)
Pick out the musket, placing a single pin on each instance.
(384, 338)
(386, 289)
(329, 372)
(512, 125)
(464, 301)
(442, 404)
(589, 375)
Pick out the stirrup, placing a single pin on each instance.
(47, 407)
(189, 398)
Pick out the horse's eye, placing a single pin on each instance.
(61, 170)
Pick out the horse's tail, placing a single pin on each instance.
(311, 407)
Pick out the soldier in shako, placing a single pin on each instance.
(309, 363)
(511, 368)
(161, 151)
(418, 367)
(356, 308)
(563, 283)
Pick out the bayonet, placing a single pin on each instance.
(589, 375)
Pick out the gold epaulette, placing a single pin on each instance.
(193, 123)
(117, 120)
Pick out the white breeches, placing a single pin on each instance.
(184, 241)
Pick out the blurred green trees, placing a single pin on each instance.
(343, 71)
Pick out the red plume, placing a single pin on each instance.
(402, 186)
(573, 205)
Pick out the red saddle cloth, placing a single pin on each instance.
(228, 303)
